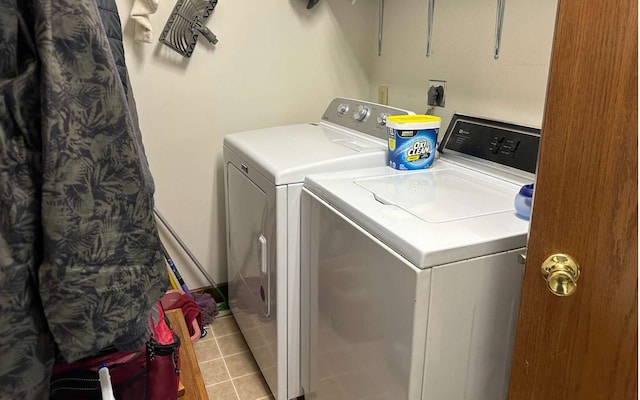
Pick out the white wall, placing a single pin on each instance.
(275, 63)
(511, 88)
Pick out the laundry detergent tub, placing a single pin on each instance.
(412, 140)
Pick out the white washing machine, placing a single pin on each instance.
(264, 171)
(410, 280)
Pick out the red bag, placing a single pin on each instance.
(151, 372)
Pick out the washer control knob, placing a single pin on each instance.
(343, 108)
(382, 118)
(361, 113)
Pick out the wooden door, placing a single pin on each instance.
(584, 346)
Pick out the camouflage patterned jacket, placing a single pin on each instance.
(80, 264)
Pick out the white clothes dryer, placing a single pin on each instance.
(264, 171)
(410, 279)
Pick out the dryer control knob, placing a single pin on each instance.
(343, 108)
(382, 118)
(361, 113)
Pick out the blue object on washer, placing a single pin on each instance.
(523, 200)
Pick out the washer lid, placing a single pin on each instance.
(444, 214)
(286, 154)
(442, 195)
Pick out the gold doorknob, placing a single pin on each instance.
(561, 271)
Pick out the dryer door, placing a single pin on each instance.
(250, 242)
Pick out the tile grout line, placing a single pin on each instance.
(250, 373)
(229, 334)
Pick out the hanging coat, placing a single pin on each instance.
(80, 265)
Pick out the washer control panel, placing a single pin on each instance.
(507, 144)
(362, 116)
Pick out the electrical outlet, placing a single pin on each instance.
(436, 93)
(383, 95)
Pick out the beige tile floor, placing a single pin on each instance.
(228, 368)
